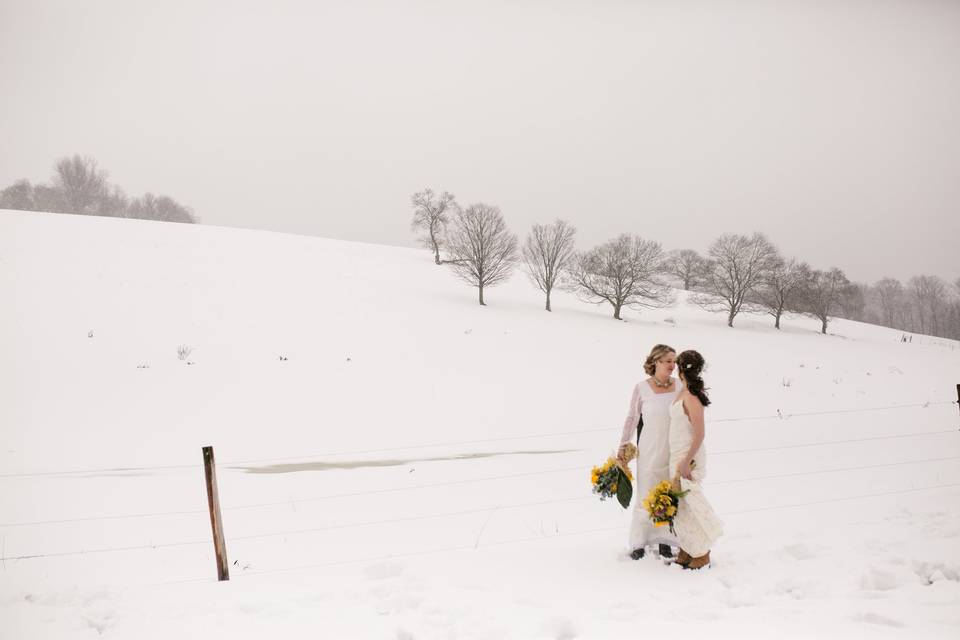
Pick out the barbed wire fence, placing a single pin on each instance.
(476, 510)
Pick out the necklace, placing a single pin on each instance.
(662, 385)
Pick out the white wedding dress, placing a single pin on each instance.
(653, 457)
(696, 524)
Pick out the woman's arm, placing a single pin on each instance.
(633, 415)
(694, 409)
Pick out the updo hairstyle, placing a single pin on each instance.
(691, 365)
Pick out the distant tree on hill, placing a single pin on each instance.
(547, 253)
(482, 250)
(780, 288)
(431, 215)
(853, 304)
(18, 196)
(151, 207)
(737, 268)
(82, 183)
(688, 266)
(626, 271)
(823, 294)
(116, 204)
(890, 294)
(79, 186)
(952, 320)
(929, 293)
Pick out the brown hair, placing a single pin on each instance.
(658, 351)
(691, 363)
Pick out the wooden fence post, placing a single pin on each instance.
(958, 396)
(216, 522)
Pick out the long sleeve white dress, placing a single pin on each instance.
(653, 458)
(696, 523)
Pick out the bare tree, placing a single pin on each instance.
(930, 294)
(547, 252)
(780, 289)
(24, 196)
(47, 198)
(431, 217)
(163, 208)
(823, 294)
(688, 266)
(854, 302)
(114, 203)
(627, 271)
(482, 250)
(890, 296)
(738, 266)
(81, 182)
(18, 196)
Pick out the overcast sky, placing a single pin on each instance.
(831, 126)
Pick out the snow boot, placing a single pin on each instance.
(665, 551)
(699, 563)
(637, 553)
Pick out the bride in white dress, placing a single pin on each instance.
(696, 524)
(651, 398)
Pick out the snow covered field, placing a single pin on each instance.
(396, 461)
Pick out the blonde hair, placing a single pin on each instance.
(658, 351)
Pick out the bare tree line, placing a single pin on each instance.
(738, 274)
(924, 304)
(79, 186)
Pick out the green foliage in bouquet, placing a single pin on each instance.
(613, 479)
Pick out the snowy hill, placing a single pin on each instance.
(396, 461)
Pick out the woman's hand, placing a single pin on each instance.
(685, 470)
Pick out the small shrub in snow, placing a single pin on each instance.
(670, 321)
(786, 382)
(184, 351)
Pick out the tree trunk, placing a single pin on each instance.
(823, 329)
(730, 318)
(548, 301)
(481, 296)
(436, 246)
(777, 323)
(616, 312)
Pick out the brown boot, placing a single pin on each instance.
(683, 558)
(699, 563)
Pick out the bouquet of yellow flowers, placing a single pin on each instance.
(662, 502)
(613, 477)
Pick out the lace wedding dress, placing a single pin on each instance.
(696, 524)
